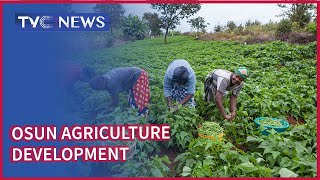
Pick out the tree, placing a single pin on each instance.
(284, 28)
(252, 23)
(199, 24)
(171, 14)
(300, 13)
(218, 28)
(115, 12)
(257, 23)
(231, 25)
(133, 26)
(248, 23)
(153, 22)
(240, 28)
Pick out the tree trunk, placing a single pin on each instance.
(165, 35)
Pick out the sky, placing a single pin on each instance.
(215, 14)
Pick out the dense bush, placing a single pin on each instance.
(301, 38)
(259, 39)
(312, 28)
(174, 33)
(134, 27)
(284, 28)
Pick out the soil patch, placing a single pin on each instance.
(294, 121)
(171, 155)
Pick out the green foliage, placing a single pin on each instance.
(154, 23)
(300, 13)
(312, 28)
(134, 27)
(210, 129)
(171, 14)
(183, 125)
(282, 82)
(154, 166)
(143, 162)
(287, 150)
(218, 28)
(238, 130)
(93, 40)
(295, 27)
(270, 26)
(270, 122)
(283, 29)
(198, 24)
(174, 33)
(239, 29)
(252, 23)
(231, 25)
(207, 158)
(115, 12)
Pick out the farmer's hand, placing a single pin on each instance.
(233, 115)
(174, 109)
(228, 117)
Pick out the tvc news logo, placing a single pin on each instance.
(62, 22)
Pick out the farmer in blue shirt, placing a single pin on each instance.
(133, 80)
(179, 83)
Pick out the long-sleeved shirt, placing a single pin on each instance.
(168, 83)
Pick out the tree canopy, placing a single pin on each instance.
(115, 12)
(171, 14)
(199, 24)
(300, 13)
(154, 23)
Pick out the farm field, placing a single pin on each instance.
(281, 84)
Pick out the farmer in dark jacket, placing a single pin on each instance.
(68, 73)
(218, 82)
(133, 80)
(72, 72)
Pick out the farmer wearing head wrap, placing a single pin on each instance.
(133, 80)
(179, 83)
(218, 82)
(68, 73)
(71, 72)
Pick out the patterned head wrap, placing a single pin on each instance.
(242, 72)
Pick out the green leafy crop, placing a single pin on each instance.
(281, 83)
(270, 122)
(210, 129)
